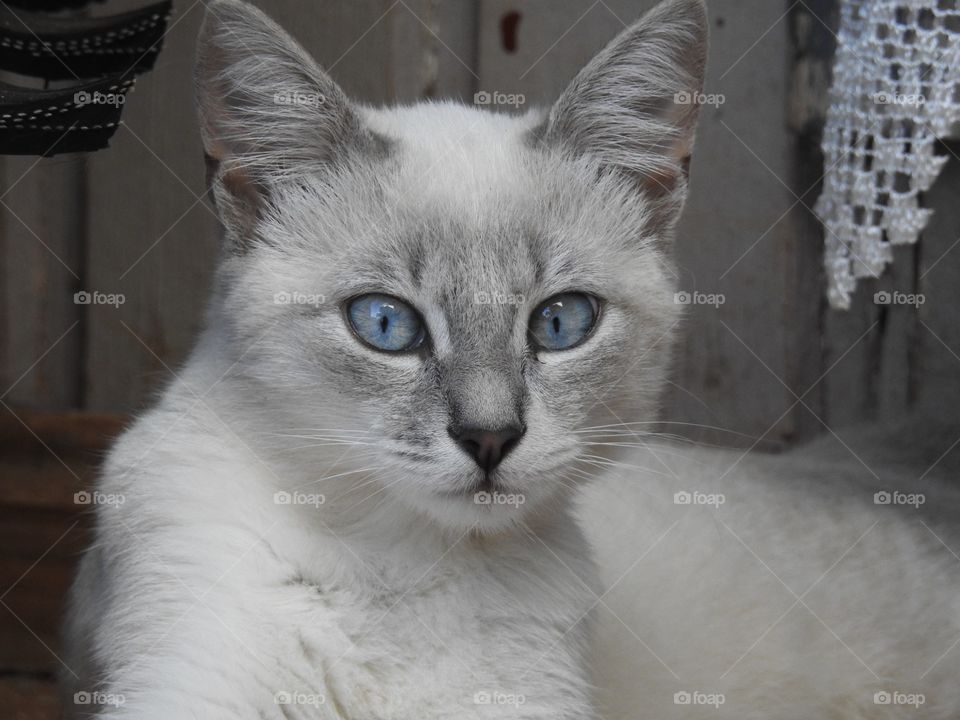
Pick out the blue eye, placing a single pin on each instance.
(385, 323)
(564, 321)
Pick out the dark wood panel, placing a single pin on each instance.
(152, 235)
(41, 240)
(936, 344)
(40, 550)
(29, 699)
(45, 460)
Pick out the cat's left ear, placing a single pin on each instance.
(634, 107)
(267, 112)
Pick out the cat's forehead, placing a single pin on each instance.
(465, 203)
(459, 218)
(471, 183)
(455, 153)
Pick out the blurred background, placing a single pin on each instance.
(764, 364)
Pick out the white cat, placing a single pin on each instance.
(356, 500)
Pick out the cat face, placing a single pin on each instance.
(453, 297)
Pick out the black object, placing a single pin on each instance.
(49, 5)
(48, 122)
(62, 48)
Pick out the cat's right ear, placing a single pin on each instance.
(268, 113)
(634, 107)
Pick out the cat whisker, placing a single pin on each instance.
(623, 442)
(337, 475)
(661, 448)
(320, 430)
(655, 423)
(321, 437)
(351, 443)
(603, 462)
(565, 480)
(371, 479)
(377, 492)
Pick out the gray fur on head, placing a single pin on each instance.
(443, 205)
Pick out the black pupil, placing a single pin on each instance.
(556, 324)
(384, 323)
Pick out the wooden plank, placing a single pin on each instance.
(535, 47)
(382, 51)
(454, 50)
(851, 341)
(936, 347)
(42, 245)
(351, 40)
(47, 458)
(813, 46)
(151, 239)
(29, 699)
(442, 35)
(62, 432)
(738, 233)
(871, 349)
(40, 549)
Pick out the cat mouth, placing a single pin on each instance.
(487, 485)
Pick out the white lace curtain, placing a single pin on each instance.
(896, 89)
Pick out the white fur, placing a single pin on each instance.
(797, 597)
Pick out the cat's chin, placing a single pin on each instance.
(462, 513)
(484, 509)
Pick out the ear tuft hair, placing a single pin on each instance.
(267, 112)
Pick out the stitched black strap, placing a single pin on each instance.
(59, 48)
(48, 122)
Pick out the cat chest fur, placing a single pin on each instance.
(474, 635)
